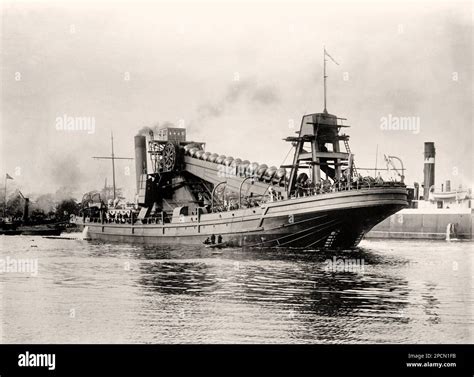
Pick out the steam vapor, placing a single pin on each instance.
(247, 91)
(145, 131)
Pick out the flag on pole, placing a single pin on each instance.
(330, 57)
(7, 176)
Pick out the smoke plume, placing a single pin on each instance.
(247, 91)
(146, 131)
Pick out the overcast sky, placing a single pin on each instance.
(237, 75)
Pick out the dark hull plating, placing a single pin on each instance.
(334, 220)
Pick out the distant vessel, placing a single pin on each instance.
(25, 226)
(192, 196)
(436, 213)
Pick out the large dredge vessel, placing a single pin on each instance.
(192, 196)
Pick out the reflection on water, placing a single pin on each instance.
(95, 292)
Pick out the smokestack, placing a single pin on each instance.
(429, 168)
(140, 158)
(26, 209)
(448, 186)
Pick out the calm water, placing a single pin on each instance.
(84, 292)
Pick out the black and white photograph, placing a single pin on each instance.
(217, 173)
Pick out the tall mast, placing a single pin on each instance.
(324, 77)
(113, 158)
(5, 198)
(113, 161)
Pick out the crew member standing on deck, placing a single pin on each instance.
(270, 191)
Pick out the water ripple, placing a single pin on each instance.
(99, 292)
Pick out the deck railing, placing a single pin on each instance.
(326, 187)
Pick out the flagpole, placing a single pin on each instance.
(376, 158)
(5, 198)
(324, 76)
(113, 161)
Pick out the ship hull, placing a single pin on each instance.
(334, 220)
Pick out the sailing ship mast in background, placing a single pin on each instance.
(112, 157)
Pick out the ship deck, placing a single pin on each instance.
(346, 215)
